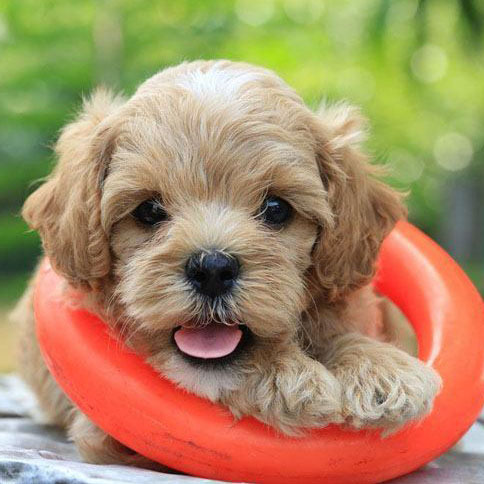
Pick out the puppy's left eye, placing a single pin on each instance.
(275, 211)
(150, 212)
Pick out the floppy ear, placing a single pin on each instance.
(365, 209)
(66, 208)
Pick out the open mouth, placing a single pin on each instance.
(214, 342)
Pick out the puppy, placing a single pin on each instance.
(230, 234)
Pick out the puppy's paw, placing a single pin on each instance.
(292, 399)
(309, 400)
(387, 390)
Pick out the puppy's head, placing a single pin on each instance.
(208, 211)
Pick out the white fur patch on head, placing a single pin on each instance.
(217, 81)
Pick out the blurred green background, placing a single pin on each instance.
(415, 66)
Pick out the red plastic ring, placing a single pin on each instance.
(130, 401)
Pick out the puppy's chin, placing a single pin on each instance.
(209, 382)
(206, 377)
(205, 382)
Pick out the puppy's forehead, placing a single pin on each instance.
(220, 133)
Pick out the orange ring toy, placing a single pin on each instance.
(134, 404)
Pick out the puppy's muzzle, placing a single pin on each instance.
(212, 273)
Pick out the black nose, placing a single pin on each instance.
(213, 273)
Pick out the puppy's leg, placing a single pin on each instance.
(97, 447)
(287, 389)
(56, 407)
(382, 385)
(93, 444)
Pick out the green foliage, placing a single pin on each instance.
(416, 67)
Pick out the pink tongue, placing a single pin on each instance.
(212, 341)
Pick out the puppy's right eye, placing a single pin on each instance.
(275, 211)
(150, 212)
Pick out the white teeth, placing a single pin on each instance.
(201, 325)
(233, 323)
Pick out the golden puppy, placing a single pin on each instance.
(229, 233)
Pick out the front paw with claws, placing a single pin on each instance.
(383, 386)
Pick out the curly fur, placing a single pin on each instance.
(212, 138)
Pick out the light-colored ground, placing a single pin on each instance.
(7, 343)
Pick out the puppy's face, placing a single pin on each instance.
(219, 203)
(213, 208)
